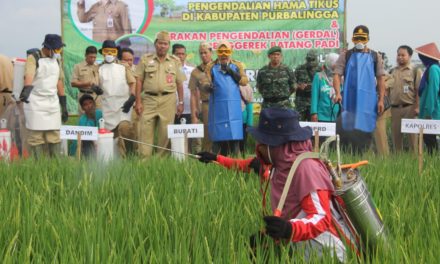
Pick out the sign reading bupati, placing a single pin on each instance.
(191, 131)
(412, 126)
(71, 132)
(324, 129)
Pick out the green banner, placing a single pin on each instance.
(251, 26)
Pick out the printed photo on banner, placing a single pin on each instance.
(99, 20)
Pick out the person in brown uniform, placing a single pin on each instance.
(110, 19)
(199, 87)
(6, 77)
(158, 76)
(404, 96)
(85, 77)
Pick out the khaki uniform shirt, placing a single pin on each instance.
(160, 77)
(199, 81)
(6, 74)
(84, 72)
(340, 65)
(404, 85)
(110, 20)
(30, 67)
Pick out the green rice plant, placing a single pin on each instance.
(165, 211)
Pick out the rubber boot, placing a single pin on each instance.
(37, 151)
(54, 149)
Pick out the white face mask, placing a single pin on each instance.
(56, 56)
(359, 46)
(109, 58)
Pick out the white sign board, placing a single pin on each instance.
(71, 132)
(324, 129)
(191, 131)
(412, 126)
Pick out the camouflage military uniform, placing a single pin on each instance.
(304, 74)
(276, 85)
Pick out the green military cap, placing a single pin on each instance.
(273, 49)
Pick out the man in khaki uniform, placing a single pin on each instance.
(6, 77)
(110, 19)
(404, 96)
(199, 87)
(158, 77)
(42, 94)
(85, 77)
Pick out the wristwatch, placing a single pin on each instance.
(181, 102)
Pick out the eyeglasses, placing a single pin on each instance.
(224, 52)
(58, 51)
(110, 51)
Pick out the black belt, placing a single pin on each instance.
(86, 92)
(6, 91)
(401, 105)
(158, 94)
(205, 101)
(275, 99)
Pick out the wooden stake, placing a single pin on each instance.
(316, 140)
(78, 146)
(420, 150)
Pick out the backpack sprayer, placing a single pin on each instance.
(358, 208)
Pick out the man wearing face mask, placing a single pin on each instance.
(280, 141)
(42, 94)
(118, 85)
(361, 101)
(225, 122)
(304, 76)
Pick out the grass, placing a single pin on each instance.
(162, 211)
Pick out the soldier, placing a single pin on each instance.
(85, 77)
(199, 86)
(118, 84)
(225, 122)
(275, 81)
(110, 19)
(6, 76)
(43, 92)
(158, 77)
(304, 76)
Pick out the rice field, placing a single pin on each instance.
(163, 211)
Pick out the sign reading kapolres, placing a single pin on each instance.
(252, 27)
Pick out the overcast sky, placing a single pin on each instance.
(392, 23)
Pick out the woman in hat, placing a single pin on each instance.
(308, 216)
(429, 89)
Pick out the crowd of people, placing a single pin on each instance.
(138, 102)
